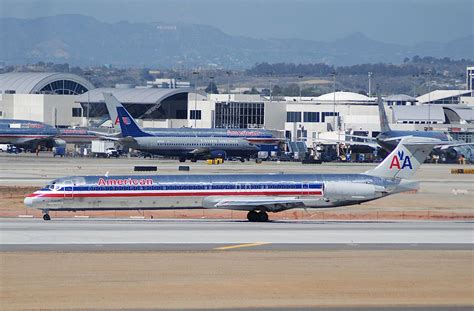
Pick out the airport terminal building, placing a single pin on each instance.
(42, 96)
(67, 100)
(328, 116)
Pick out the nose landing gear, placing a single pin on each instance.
(254, 216)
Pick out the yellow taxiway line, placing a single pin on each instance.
(222, 248)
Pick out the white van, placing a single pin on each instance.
(3, 147)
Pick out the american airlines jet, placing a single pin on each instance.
(28, 134)
(256, 193)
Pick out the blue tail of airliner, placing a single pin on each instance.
(128, 126)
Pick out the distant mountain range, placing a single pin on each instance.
(82, 40)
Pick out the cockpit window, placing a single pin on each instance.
(52, 186)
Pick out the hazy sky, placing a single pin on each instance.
(396, 21)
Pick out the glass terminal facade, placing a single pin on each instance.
(239, 115)
(63, 87)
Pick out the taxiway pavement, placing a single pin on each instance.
(87, 234)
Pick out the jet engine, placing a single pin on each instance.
(341, 191)
(217, 154)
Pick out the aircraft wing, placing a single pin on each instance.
(199, 151)
(113, 136)
(447, 146)
(362, 137)
(353, 143)
(273, 204)
(441, 145)
(32, 142)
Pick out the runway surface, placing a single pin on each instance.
(222, 264)
(88, 234)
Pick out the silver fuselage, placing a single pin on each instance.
(200, 191)
(178, 146)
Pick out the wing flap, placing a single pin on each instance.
(248, 204)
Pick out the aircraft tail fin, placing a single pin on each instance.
(406, 158)
(384, 125)
(128, 126)
(112, 103)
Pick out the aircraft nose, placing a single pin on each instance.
(30, 200)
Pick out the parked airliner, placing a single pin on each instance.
(388, 139)
(262, 137)
(256, 193)
(185, 148)
(28, 134)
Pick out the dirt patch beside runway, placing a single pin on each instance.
(238, 279)
(421, 205)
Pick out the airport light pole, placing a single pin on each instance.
(270, 82)
(414, 76)
(89, 108)
(228, 86)
(299, 84)
(370, 82)
(334, 103)
(429, 99)
(429, 75)
(195, 74)
(211, 83)
(88, 73)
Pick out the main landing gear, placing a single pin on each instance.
(254, 216)
(46, 215)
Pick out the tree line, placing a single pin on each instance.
(415, 66)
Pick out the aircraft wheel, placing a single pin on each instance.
(193, 160)
(263, 217)
(242, 160)
(253, 216)
(182, 160)
(46, 217)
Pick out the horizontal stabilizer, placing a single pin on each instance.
(127, 140)
(106, 136)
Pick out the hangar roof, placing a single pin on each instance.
(418, 113)
(440, 95)
(344, 97)
(34, 82)
(399, 98)
(132, 95)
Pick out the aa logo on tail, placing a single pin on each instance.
(401, 158)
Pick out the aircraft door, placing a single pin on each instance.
(305, 188)
(68, 190)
